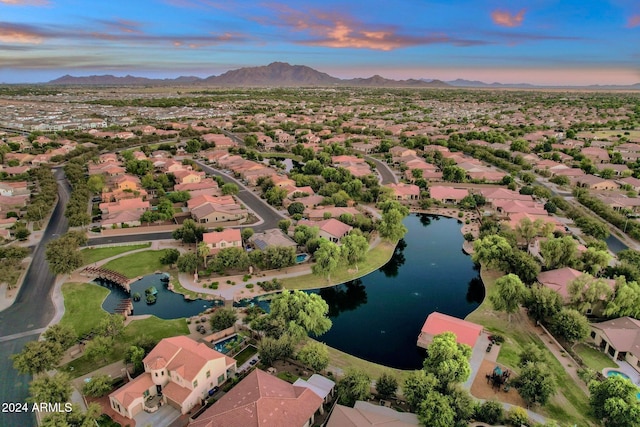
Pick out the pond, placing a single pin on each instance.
(169, 305)
(378, 317)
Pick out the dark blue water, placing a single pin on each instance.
(614, 244)
(378, 317)
(169, 305)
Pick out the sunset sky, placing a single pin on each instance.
(549, 42)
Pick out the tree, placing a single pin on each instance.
(50, 389)
(490, 412)
(626, 300)
(353, 386)
(524, 265)
(279, 257)
(96, 183)
(536, 383)
(275, 196)
(187, 263)
(463, 405)
(37, 356)
(303, 233)
(230, 189)
(230, 258)
(193, 146)
(284, 225)
(493, 251)
(416, 387)
(510, 293)
(296, 208)
(98, 385)
(223, 318)
(571, 325)
(62, 334)
(542, 303)
(300, 313)
(435, 411)
(528, 230)
(550, 207)
(112, 325)
(586, 291)
(314, 355)
(190, 232)
(271, 349)
(354, 249)
(614, 402)
(63, 255)
(327, 259)
(447, 360)
(134, 355)
(559, 252)
(454, 174)
(204, 251)
(391, 226)
(246, 233)
(518, 416)
(594, 260)
(531, 353)
(74, 418)
(169, 256)
(387, 384)
(98, 348)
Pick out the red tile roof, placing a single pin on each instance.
(466, 332)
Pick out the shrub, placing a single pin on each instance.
(518, 416)
(249, 285)
(460, 214)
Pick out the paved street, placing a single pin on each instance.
(31, 311)
(387, 175)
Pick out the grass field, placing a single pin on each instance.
(376, 258)
(570, 405)
(138, 264)
(83, 312)
(92, 255)
(609, 133)
(593, 358)
(245, 355)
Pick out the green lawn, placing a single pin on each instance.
(138, 264)
(376, 258)
(83, 306)
(287, 376)
(83, 312)
(593, 358)
(245, 355)
(92, 255)
(570, 405)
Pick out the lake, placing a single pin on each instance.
(378, 317)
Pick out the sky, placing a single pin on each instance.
(545, 42)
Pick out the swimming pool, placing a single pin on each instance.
(300, 258)
(222, 346)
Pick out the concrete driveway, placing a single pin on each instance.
(163, 417)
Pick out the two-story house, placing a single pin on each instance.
(217, 240)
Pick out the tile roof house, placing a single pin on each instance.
(448, 194)
(330, 229)
(262, 400)
(620, 339)
(560, 279)
(405, 191)
(365, 414)
(136, 204)
(437, 323)
(180, 370)
(217, 240)
(272, 237)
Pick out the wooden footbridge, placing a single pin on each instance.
(112, 276)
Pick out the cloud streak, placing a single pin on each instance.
(633, 21)
(504, 18)
(25, 2)
(21, 34)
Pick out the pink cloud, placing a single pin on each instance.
(633, 21)
(14, 33)
(330, 29)
(25, 2)
(507, 19)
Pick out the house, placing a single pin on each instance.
(122, 219)
(595, 154)
(272, 237)
(320, 385)
(326, 212)
(594, 183)
(437, 323)
(560, 279)
(448, 194)
(135, 204)
(620, 339)
(188, 177)
(633, 183)
(365, 414)
(217, 240)
(178, 371)
(210, 213)
(330, 229)
(399, 151)
(262, 400)
(405, 191)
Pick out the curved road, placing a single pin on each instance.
(30, 313)
(387, 175)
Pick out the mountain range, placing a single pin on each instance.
(285, 75)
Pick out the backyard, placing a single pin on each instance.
(91, 255)
(594, 359)
(138, 264)
(570, 404)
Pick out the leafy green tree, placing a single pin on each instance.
(230, 189)
(193, 146)
(295, 208)
(571, 325)
(74, 418)
(626, 300)
(50, 389)
(275, 196)
(528, 230)
(303, 233)
(187, 263)
(190, 232)
(204, 250)
(586, 291)
(493, 251)
(353, 386)
(246, 233)
(63, 255)
(559, 252)
(391, 226)
(524, 265)
(354, 249)
(301, 313)
(454, 174)
(96, 183)
(536, 383)
(435, 411)
(284, 225)
(37, 356)
(135, 355)
(230, 258)
(314, 355)
(223, 318)
(98, 348)
(112, 325)
(417, 385)
(531, 353)
(510, 293)
(490, 412)
(98, 386)
(62, 334)
(277, 257)
(271, 349)
(614, 402)
(594, 260)
(463, 405)
(542, 303)
(518, 416)
(447, 360)
(387, 385)
(170, 256)
(327, 259)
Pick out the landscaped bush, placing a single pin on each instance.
(246, 277)
(249, 286)
(272, 285)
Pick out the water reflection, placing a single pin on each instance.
(475, 291)
(345, 297)
(398, 259)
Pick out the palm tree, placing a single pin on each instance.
(204, 251)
